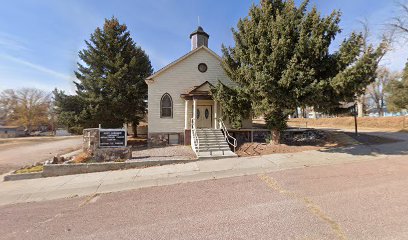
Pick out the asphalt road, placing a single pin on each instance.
(18, 153)
(365, 200)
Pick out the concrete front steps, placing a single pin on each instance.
(213, 144)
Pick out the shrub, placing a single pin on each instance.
(81, 158)
(76, 130)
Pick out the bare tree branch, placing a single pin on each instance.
(376, 91)
(399, 23)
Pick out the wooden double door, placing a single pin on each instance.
(204, 116)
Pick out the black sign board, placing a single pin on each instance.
(112, 138)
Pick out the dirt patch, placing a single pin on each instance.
(371, 139)
(166, 153)
(395, 123)
(9, 143)
(256, 149)
(325, 139)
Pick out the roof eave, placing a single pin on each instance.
(181, 59)
(149, 80)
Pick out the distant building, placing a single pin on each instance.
(11, 131)
(62, 132)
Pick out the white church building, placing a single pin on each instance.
(180, 107)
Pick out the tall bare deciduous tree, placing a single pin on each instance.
(376, 91)
(7, 102)
(387, 39)
(399, 24)
(397, 98)
(28, 107)
(361, 99)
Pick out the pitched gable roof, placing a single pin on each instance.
(181, 59)
(197, 89)
(201, 90)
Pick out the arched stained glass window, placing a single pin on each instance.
(166, 106)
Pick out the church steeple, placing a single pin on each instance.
(199, 38)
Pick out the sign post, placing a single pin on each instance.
(354, 112)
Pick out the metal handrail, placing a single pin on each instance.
(227, 136)
(195, 140)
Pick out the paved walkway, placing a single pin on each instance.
(93, 183)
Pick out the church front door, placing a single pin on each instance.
(204, 116)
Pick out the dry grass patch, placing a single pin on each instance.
(81, 158)
(164, 153)
(32, 169)
(396, 123)
(256, 149)
(326, 140)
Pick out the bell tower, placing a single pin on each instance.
(199, 38)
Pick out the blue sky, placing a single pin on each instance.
(40, 39)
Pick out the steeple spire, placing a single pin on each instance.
(199, 38)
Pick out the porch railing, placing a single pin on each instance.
(227, 136)
(195, 141)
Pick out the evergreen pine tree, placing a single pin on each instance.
(281, 61)
(68, 109)
(111, 78)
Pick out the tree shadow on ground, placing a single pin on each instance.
(374, 143)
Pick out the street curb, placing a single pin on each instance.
(55, 170)
(22, 176)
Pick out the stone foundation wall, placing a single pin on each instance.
(166, 138)
(112, 154)
(245, 136)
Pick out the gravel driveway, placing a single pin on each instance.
(164, 153)
(23, 153)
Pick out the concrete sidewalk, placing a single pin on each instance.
(104, 182)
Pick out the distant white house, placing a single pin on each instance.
(11, 131)
(62, 132)
(181, 90)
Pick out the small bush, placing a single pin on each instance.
(81, 158)
(76, 130)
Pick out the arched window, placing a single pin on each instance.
(166, 106)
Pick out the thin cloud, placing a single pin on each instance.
(11, 42)
(38, 67)
(9, 80)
